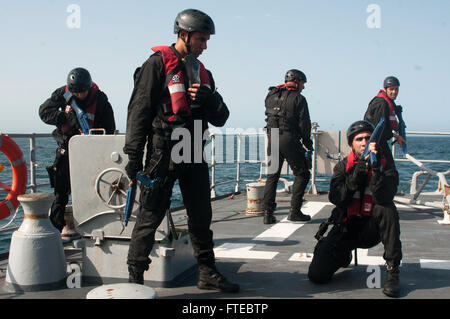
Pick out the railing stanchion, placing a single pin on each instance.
(213, 166)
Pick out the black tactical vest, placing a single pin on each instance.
(282, 109)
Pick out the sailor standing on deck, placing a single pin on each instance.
(287, 110)
(364, 215)
(57, 110)
(167, 95)
(383, 105)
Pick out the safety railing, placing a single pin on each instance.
(239, 160)
(231, 137)
(443, 187)
(260, 147)
(32, 166)
(261, 137)
(425, 170)
(33, 186)
(314, 177)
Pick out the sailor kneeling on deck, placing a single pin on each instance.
(364, 215)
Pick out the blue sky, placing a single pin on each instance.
(256, 42)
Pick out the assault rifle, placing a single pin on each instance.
(193, 73)
(402, 130)
(374, 138)
(337, 215)
(192, 69)
(131, 195)
(81, 115)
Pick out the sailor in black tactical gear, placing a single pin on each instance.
(383, 105)
(173, 90)
(287, 110)
(58, 111)
(365, 214)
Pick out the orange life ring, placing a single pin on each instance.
(19, 172)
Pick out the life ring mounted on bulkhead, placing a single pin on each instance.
(19, 175)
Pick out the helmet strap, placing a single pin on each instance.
(188, 42)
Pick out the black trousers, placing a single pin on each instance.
(195, 188)
(60, 181)
(334, 251)
(291, 149)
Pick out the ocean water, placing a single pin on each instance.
(420, 147)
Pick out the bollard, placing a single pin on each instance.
(255, 195)
(122, 291)
(69, 233)
(36, 255)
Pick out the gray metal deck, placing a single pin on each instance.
(267, 260)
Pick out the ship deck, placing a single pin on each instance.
(271, 261)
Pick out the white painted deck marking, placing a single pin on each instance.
(363, 258)
(236, 250)
(279, 232)
(283, 229)
(302, 257)
(435, 264)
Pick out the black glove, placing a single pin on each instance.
(358, 177)
(308, 157)
(379, 156)
(203, 93)
(132, 168)
(72, 121)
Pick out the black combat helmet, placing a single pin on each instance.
(293, 75)
(193, 20)
(79, 80)
(358, 127)
(391, 81)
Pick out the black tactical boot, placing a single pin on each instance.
(348, 260)
(210, 279)
(392, 284)
(296, 215)
(269, 218)
(135, 276)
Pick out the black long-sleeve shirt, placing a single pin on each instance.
(146, 103)
(378, 108)
(292, 113)
(383, 185)
(52, 112)
(304, 123)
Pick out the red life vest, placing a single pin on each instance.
(91, 103)
(358, 207)
(287, 87)
(392, 116)
(177, 89)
